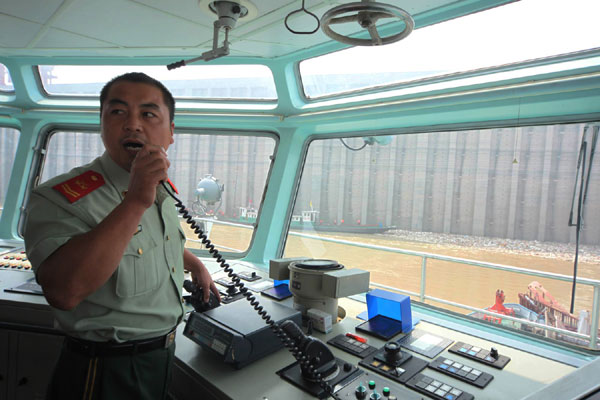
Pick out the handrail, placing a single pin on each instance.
(501, 267)
(216, 221)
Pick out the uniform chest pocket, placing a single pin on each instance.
(138, 272)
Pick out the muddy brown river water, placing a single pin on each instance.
(450, 281)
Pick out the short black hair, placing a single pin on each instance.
(140, 77)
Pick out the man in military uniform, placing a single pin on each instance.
(108, 250)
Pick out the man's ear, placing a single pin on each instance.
(172, 132)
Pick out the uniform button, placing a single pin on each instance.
(140, 251)
(173, 269)
(168, 237)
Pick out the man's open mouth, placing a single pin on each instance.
(133, 146)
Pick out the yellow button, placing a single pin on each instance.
(168, 237)
(173, 269)
(140, 251)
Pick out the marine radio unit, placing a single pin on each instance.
(236, 332)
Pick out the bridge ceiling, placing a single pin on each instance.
(182, 28)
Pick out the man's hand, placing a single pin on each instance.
(200, 275)
(148, 169)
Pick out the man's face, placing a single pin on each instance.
(134, 114)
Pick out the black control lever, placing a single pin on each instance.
(196, 297)
(318, 355)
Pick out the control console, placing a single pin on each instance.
(461, 371)
(370, 386)
(437, 389)
(15, 261)
(487, 357)
(393, 363)
(231, 292)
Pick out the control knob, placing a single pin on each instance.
(392, 353)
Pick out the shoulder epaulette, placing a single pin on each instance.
(80, 186)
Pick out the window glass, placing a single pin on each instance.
(67, 150)
(6, 84)
(452, 47)
(496, 196)
(220, 178)
(240, 82)
(9, 139)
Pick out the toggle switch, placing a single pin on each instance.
(494, 353)
(361, 391)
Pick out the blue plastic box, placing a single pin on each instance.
(391, 305)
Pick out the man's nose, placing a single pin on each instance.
(133, 122)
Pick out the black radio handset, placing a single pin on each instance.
(308, 351)
(196, 297)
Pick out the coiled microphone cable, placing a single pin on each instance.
(289, 343)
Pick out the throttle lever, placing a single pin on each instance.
(320, 358)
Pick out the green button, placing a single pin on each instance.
(386, 390)
(371, 384)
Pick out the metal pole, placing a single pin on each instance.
(423, 278)
(595, 318)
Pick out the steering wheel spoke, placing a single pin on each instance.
(374, 35)
(379, 15)
(343, 20)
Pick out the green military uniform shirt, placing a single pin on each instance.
(142, 298)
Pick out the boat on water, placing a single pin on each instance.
(309, 220)
(539, 300)
(513, 310)
(538, 305)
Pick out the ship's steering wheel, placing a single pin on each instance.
(366, 13)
